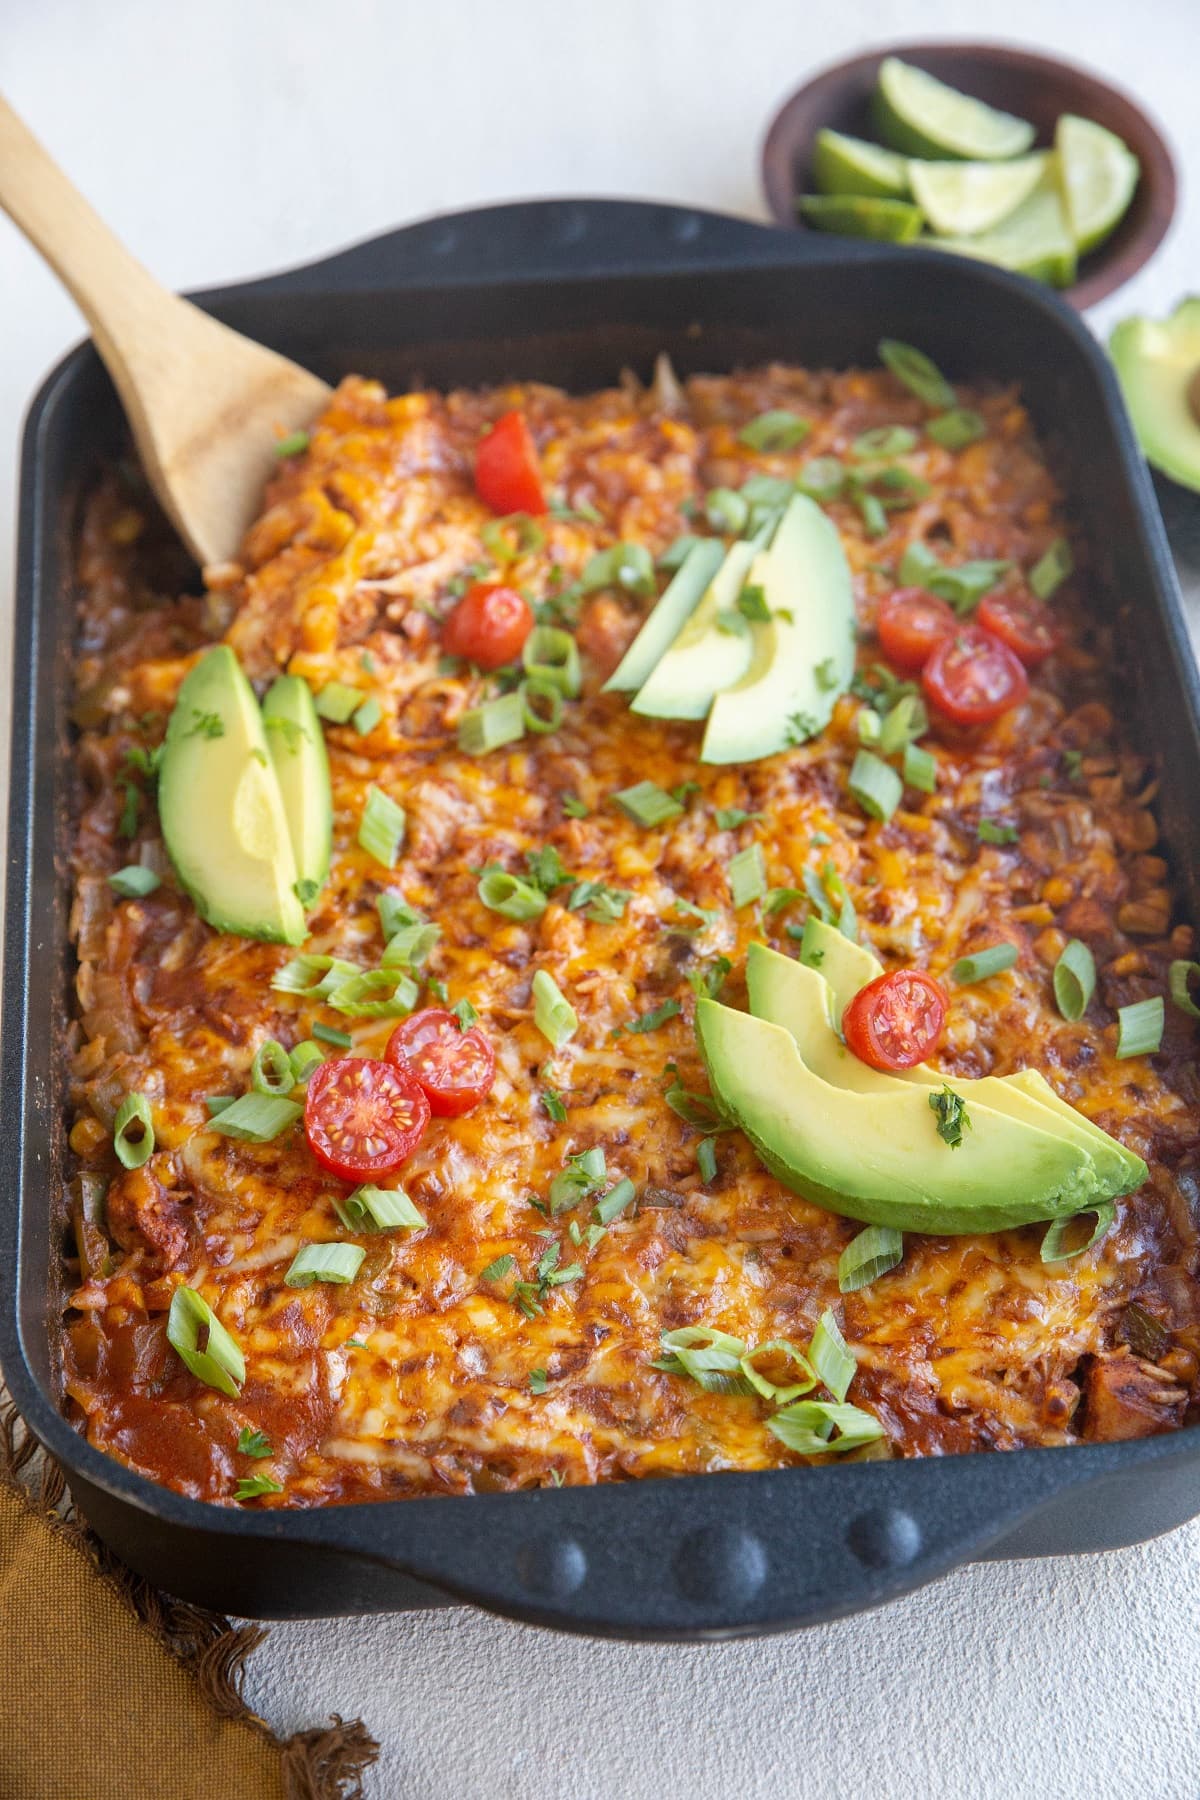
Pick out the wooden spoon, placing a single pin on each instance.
(207, 406)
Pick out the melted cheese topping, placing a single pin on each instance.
(416, 1377)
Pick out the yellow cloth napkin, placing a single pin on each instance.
(112, 1691)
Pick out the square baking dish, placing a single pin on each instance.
(570, 292)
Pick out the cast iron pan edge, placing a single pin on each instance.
(690, 1558)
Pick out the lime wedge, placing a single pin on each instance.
(1033, 240)
(1099, 174)
(893, 221)
(961, 198)
(921, 116)
(849, 165)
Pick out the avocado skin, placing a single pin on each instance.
(199, 774)
(921, 1194)
(296, 744)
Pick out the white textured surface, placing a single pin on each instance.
(228, 138)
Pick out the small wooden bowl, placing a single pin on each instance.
(1037, 88)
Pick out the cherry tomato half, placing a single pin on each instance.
(363, 1117)
(896, 1020)
(911, 625)
(489, 625)
(507, 477)
(455, 1068)
(973, 678)
(1020, 620)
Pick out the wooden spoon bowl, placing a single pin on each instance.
(1037, 88)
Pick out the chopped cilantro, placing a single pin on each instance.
(552, 1104)
(951, 1113)
(574, 807)
(730, 817)
(991, 833)
(465, 1013)
(253, 1443)
(650, 1021)
(537, 1381)
(546, 868)
(205, 724)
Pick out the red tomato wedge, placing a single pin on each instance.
(507, 477)
(489, 625)
(911, 624)
(973, 678)
(896, 1020)
(1020, 620)
(455, 1068)
(363, 1117)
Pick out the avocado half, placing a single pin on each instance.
(1158, 366)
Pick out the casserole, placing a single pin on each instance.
(694, 1558)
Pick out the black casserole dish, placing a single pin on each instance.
(569, 293)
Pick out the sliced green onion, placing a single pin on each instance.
(868, 1256)
(804, 1427)
(304, 1059)
(395, 911)
(1075, 980)
(990, 831)
(903, 724)
(648, 804)
(134, 882)
(252, 1487)
(386, 1208)
(367, 716)
(220, 1364)
(870, 726)
(496, 1271)
(769, 491)
(1051, 570)
(312, 977)
(510, 895)
(218, 1103)
(375, 994)
(552, 655)
(822, 479)
(875, 785)
(1180, 976)
(329, 1034)
(747, 873)
(776, 430)
(711, 1358)
(294, 444)
(410, 946)
(629, 566)
(874, 516)
(497, 537)
(983, 963)
(338, 703)
(965, 585)
(780, 1393)
(496, 722)
(677, 553)
(726, 511)
(706, 1160)
(257, 1118)
(917, 373)
(830, 1356)
(271, 1070)
(1056, 1246)
(338, 1263)
(541, 703)
(1140, 1027)
(553, 1014)
(955, 429)
(133, 1146)
(885, 440)
(920, 768)
(381, 828)
(613, 1204)
(583, 1175)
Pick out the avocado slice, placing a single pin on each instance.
(1158, 366)
(297, 747)
(676, 606)
(878, 1157)
(703, 658)
(795, 996)
(803, 655)
(221, 810)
